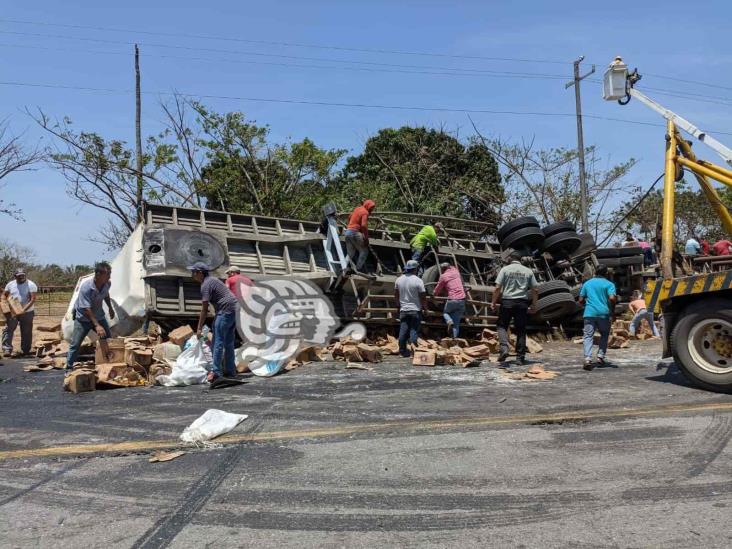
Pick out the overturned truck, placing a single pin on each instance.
(151, 280)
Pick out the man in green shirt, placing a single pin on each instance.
(513, 284)
(425, 239)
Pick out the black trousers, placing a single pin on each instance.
(516, 310)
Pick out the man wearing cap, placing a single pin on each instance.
(513, 284)
(216, 293)
(451, 282)
(89, 313)
(357, 234)
(411, 298)
(236, 281)
(24, 291)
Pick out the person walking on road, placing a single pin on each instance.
(25, 292)
(357, 234)
(411, 299)
(451, 282)
(640, 312)
(513, 284)
(598, 295)
(89, 312)
(216, 293)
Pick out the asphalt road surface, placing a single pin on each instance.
(398, 456)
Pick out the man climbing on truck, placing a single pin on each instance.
(357, 234)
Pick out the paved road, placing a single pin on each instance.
(626, 456)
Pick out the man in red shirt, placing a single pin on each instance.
(357, 234)
(451, 281)
(235, 281)
(722, 247)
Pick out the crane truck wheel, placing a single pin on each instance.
(701, 343)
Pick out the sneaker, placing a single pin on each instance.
(449, 328)
(601, 359)
(588, 364)
(522, 360)
(211, 377)
(503, 357)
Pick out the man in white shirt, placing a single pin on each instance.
(24, 291)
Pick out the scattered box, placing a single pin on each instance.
(180, 335)
(116, 350)
(80, 381)
(16, 308)
(139, 357)
(424, 358)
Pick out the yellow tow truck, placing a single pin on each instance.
(696, 310)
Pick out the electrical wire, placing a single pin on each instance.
(634, 208)
(286, 44)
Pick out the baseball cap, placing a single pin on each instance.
(233, 269)
(199, 266)
(19, 271)
(411, 265)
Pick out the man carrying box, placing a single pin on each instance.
(23, 291)
(89, 313)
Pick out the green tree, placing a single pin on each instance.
(426, 171)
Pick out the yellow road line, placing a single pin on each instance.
(402, 426)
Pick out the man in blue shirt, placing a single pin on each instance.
(89, 313)
(598, 296)
(692, 246)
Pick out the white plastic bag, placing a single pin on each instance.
(211, 424)
(266, 368)
(190, 367)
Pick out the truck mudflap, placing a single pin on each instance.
(659, 291)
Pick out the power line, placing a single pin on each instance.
(454, 72)
(286, 44)
(262, 54)
(340, 104)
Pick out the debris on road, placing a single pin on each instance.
(80, 381)
(535, 372)
(213, 423)
(160, 457)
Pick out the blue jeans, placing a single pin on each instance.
(356, 248)
(602, 325)
(81, 329)
(454, 311)
(25, 321)
(639, 316)
(224, 344)
(408, 330)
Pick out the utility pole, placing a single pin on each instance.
(138, 136)
(580, 139)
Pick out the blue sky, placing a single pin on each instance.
(59, 230)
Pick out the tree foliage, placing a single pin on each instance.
(426, 171)
(14, 157)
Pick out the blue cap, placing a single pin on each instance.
(411, 265)
(199, 266)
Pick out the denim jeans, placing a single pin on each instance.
(602, 325)
(224, 343)
(639, 316)
(516, 310)
(356, 248)
(408, 329)
(81, 329)
(454, 311)
(25, 321)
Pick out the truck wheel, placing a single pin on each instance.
(559, 227)
(520, 223)
(430, 276)
(566, 243)
(701, 343)
(529, 237)
(555, 306)
(552, 287)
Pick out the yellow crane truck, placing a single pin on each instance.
(696, 310)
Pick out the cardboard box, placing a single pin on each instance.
(116, 349)
(180, 335)
(369, 353)
(15, 307)
(80, 381)
(139, 357)
(5, 306)
(424, 358)
(52, 328)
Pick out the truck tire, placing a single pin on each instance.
(430, 276)
(555, 306)
(564, 242)
(701, 344)
(519, 223)
(588, 245)
(559, 227)
(552, 287)
(528, 237)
